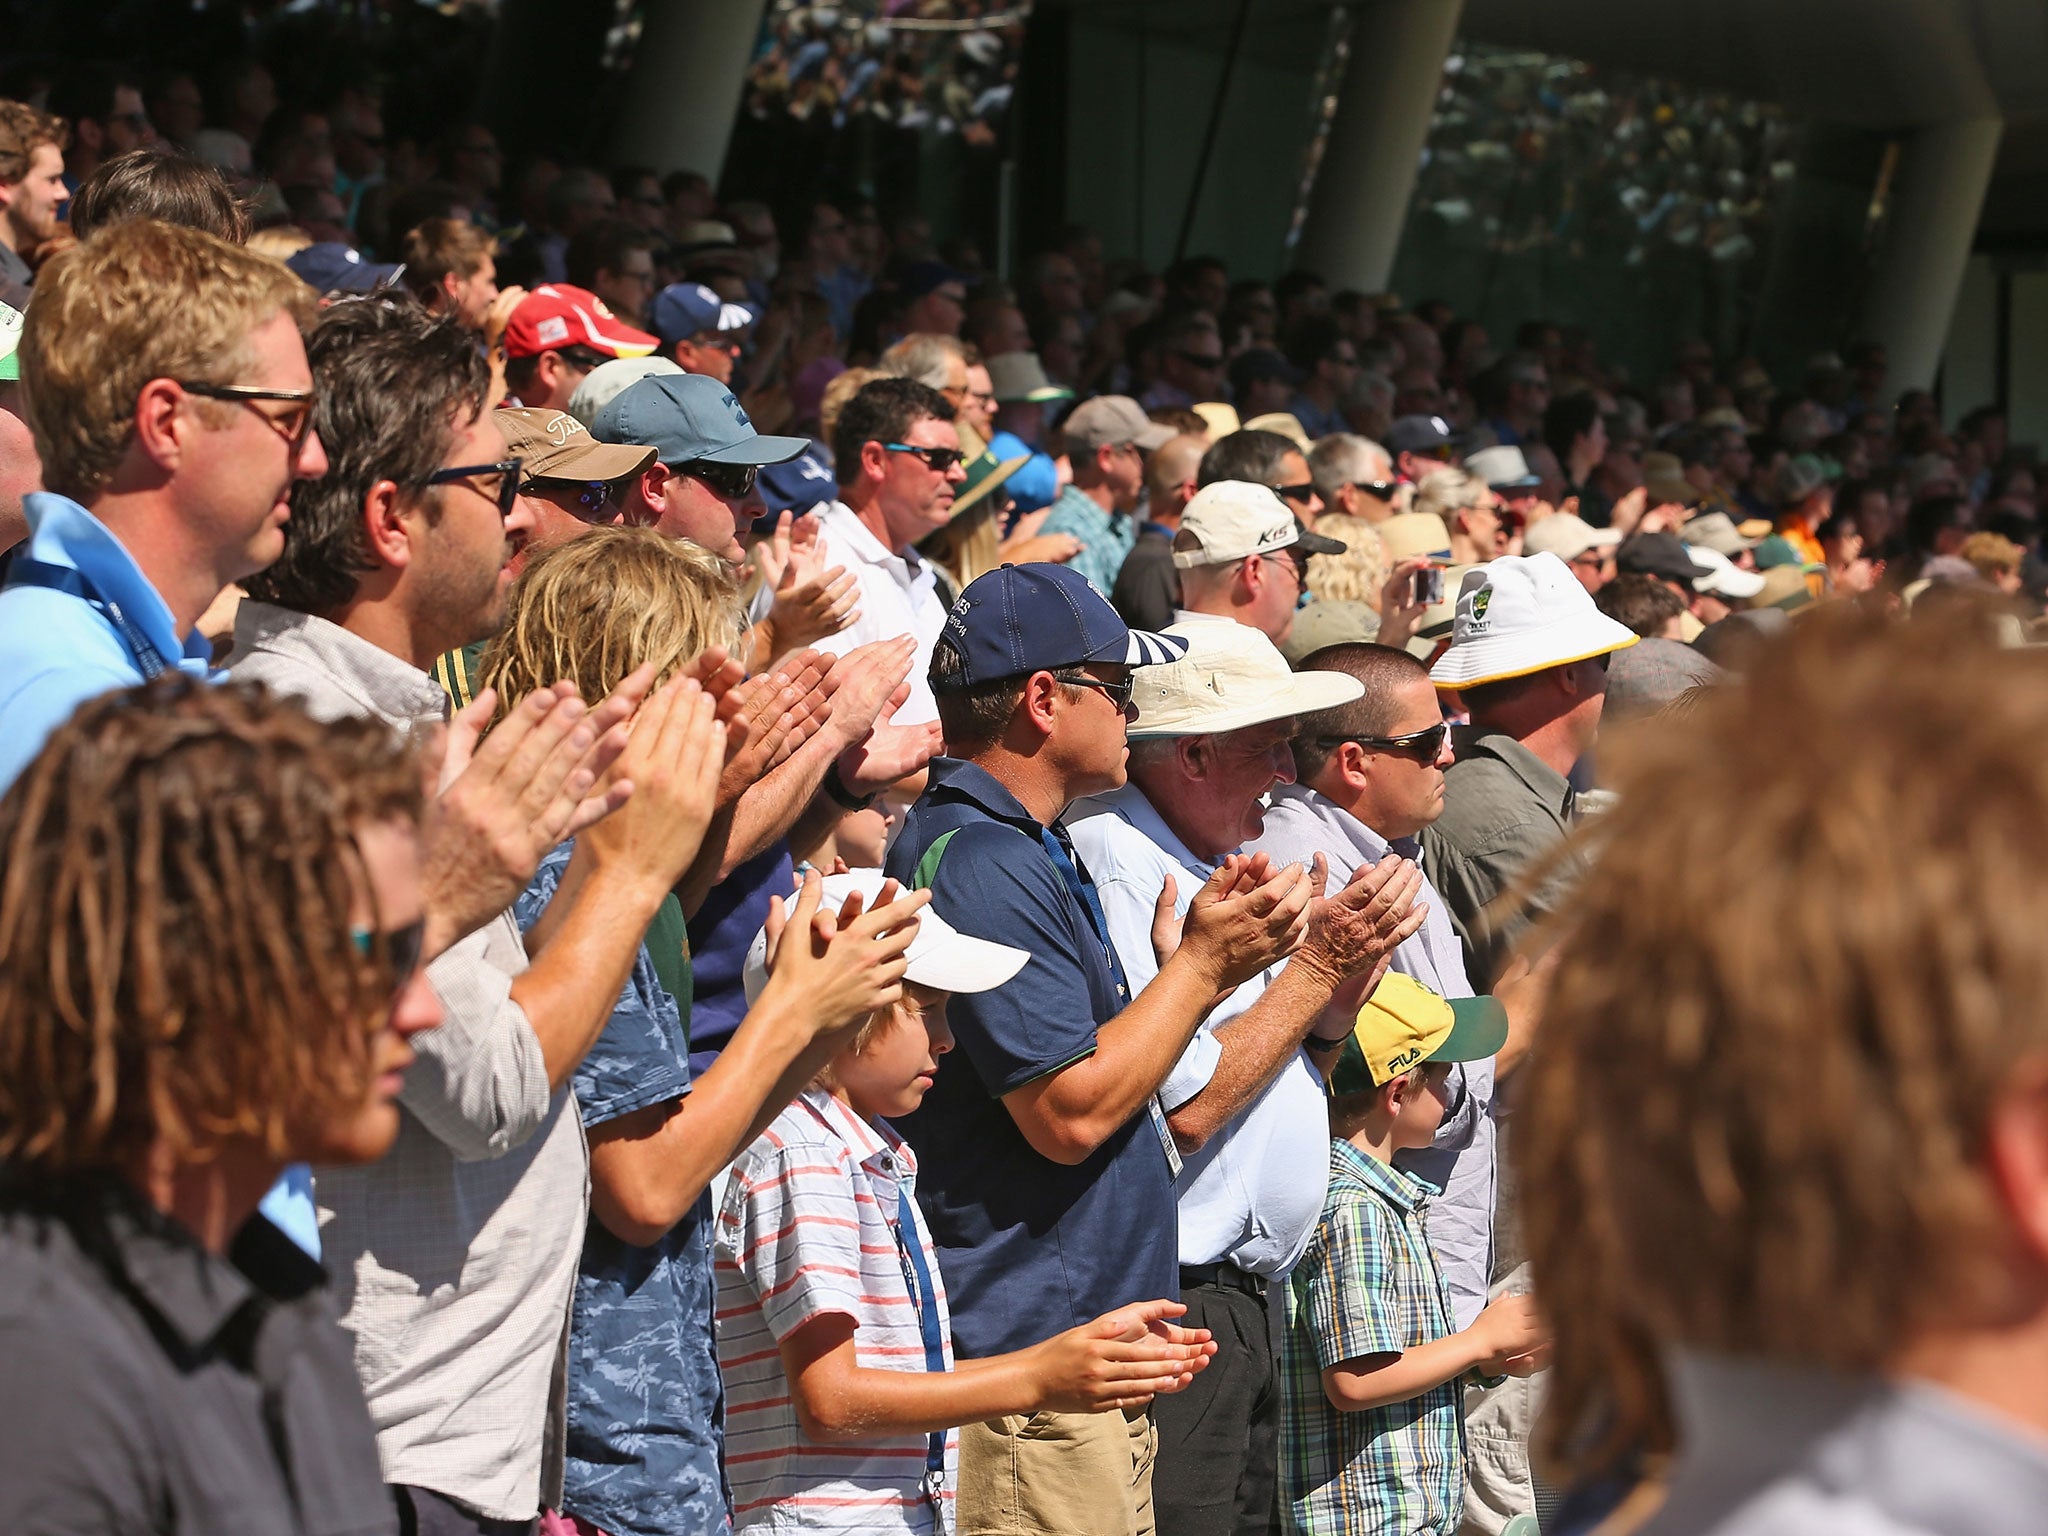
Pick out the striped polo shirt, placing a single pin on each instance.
(809, 1226)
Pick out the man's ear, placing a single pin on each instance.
(874, 459)
(2016, 1150)
(1041, 695)
(161, 429)
(384, 526)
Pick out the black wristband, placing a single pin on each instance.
(1323, 1047)
(843, 797)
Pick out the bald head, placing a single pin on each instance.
(1170, 476)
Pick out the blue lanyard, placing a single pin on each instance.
(63, 578)
(1084, 892)
(918, 1276)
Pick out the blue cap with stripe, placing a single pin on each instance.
(1022, 619)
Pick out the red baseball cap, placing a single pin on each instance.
(556, 315)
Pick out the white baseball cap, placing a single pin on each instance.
(940, 957)
(1234, 520)
(1726, 578)
(607, 380)
(1522, 614)
(1567, 536)
(1232, 676)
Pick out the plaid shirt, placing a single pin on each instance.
(1367, 1285)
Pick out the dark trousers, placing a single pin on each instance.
(423, 1512)
(1219, 1441)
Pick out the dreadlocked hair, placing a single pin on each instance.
(606, 603)
(176, 964)
(1806, 955)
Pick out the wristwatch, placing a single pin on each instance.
(841, 795)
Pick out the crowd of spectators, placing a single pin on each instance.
(664, 869)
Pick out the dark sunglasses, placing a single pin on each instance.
(1301, 492)
(938, 460)
(1379, 490)
(292, 426)
(1425, 746)
(593, 497)
(1118, 693)
(734, 482)
(403, 948)
(505, 493)
(1203, 360)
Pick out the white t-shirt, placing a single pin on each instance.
(898, 596)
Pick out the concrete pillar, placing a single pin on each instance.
(1369, 164)
(1937, 196)
(683, 92)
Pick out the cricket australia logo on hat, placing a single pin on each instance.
(1481, 600)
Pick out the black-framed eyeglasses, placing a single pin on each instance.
(403, 948)
(715, 341)
(1118, 692)
(1202, 360)
(1302, 492)
(1425, 746)
(594, 498)
(937, 460)
(734, 482)
(292, 426)
(505, 493)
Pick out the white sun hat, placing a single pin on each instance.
(1232, 676)
(1726, 579)
(941, 956)
(1522, 614)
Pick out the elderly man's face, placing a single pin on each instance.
(1219, 781)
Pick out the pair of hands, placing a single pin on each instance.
(833, 969)
(1123, 1359)
(812, 600)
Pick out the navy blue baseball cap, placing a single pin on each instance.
(683, 310)
(687, 418)
(331, 267)
(798, 484)
(1022, 619)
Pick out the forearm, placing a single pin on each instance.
(708, 868)
(1412, 1373)
(1256, 1046)
(569, 991)
(646, 1174)
(1078, 1108)
(769, 809)
(861, 1403)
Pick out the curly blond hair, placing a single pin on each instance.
(1787, 995)
(1355, 576)
(605, 603)
(176, 963)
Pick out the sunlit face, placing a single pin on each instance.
(891, 1073)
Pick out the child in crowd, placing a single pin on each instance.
(833, 1337)
(1373, 1434)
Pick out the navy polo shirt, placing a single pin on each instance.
(1028, 1247)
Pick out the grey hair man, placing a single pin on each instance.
(1353, 475)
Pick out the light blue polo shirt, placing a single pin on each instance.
(58, 650)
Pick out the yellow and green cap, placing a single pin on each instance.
(1404, 1024)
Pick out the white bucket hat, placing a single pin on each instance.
(940, 957)
(1232, 676)
(1726, 579)
(1522, 614)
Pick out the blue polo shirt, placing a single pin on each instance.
(1029, 1247)
(57, 650)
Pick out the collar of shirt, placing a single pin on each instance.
(1130, 805)
(1931, 1460)
(1370, 846)
(855, 540)
(953, 778)
(1543, 781)
(1403, 1191)
(61, 532)
(883, 1155)
(384, 685)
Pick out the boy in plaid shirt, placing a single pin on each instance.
(1372, 1436)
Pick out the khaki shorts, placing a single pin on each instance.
(1057, 1474)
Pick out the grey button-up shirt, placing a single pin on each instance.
(154, 1387)
(455, 1256)
(1462, 1160)
(1504, 809)
(1786, 1450)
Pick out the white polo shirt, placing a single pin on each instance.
(898, 596)
(1254, 1192)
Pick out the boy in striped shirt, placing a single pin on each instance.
(833, 1337)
